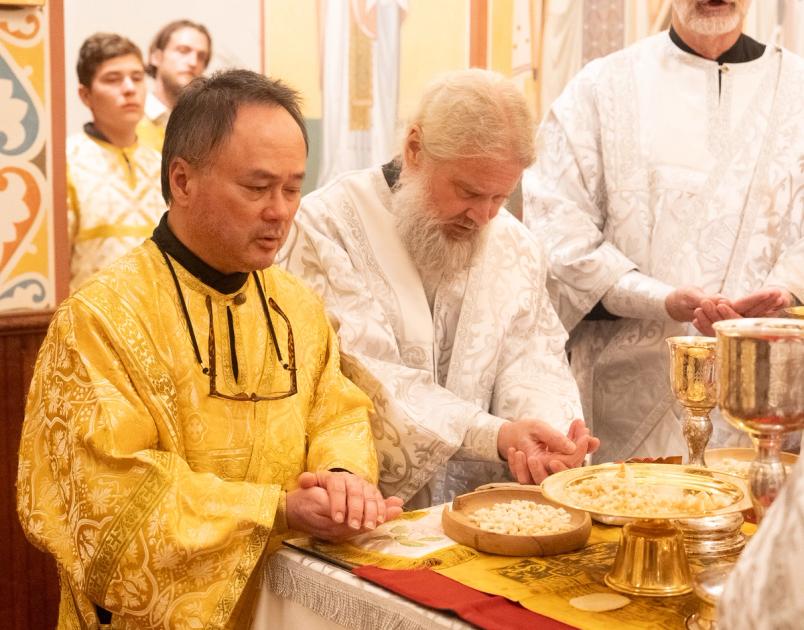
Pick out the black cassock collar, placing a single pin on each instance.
(167, 241)
(744, 49)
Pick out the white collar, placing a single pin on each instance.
(155, 110)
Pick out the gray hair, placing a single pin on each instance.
(205, 113)
(475, 114)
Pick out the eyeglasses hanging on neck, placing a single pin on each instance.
(268, 305)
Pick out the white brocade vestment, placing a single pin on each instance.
(657, 171)
(764, 589)
(442, 382)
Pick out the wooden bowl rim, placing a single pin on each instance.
(580, 518)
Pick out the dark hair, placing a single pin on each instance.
(161, 39)
(205, 113)
(101, 47)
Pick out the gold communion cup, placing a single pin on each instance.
(761, 391)
(796, 312)
(693, 381)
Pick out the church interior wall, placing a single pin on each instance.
(28, 270)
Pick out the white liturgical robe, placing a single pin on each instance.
(659, 169)
(442, 381)
(764, 589)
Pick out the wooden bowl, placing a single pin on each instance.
(457, 525)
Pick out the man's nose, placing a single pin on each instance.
(277, 207)
(193, 59)
(128, 85)
(483, 210)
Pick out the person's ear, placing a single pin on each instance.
(181, 176)
(84, 93)
(155, 59)
(412, 150)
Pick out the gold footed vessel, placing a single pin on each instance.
(694, 384)
(761, 391)
(651, 560)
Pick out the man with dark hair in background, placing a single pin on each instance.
(179, 53)
(113, 198)
(187, 407)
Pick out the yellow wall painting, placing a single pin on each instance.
(26, 226)
(514, 43)
(434, 40)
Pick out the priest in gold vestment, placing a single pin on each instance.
(187, 406)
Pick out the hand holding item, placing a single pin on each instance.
(337, 505)
(534, 449)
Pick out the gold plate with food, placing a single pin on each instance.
(648, 491)
(651, 559)
(515, 521)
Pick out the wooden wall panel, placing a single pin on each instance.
(29, 588)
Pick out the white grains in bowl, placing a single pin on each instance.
(521, 518)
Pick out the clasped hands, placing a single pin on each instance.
(691, 304)
(335, 506)
(535, 450)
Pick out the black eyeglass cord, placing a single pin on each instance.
(184, 311)
(268, 319)
(187, 319)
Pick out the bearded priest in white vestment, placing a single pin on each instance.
(669, 190)
(440, 302)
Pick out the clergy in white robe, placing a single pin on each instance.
(764, 589)
(441, 308)
(669, 190)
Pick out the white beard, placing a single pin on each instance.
(422, 232)
(687, 11)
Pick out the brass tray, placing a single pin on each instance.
(654, 478)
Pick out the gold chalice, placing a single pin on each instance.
(692, 378)
(761, 374)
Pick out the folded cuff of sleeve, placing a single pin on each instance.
(281, 516)
(480, 441)
(638, 296)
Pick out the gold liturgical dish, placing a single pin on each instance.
(651, 559)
